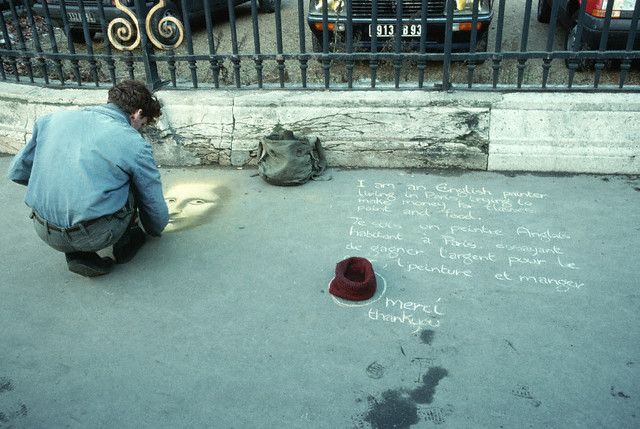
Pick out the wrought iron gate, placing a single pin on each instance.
(169, 45)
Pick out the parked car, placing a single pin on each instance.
(411, 24)
(6, 5)
(593, 24)
(91, 12)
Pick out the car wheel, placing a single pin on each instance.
(481, 46)
(163, 32)
(570, 45)
(544, 12)
(267, 6)
(483, 42)
(77, 35)
(317, 44)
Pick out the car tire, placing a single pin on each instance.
(77, 35)
(483, 42)
(316, 44)
(481, 46)
(267, 6)
(544, 12)
(570, 42)
(169, 10)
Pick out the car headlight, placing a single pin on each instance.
(465, 7)
(333, 6)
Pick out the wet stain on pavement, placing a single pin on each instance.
(393, 410)
(399, 408)
(10, 414)
(403, 407)
(424, 394)
(426, 336)
(618, 394)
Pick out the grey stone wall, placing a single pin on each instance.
(400, 129)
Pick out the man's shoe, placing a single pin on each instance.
(88, 264)
(125, 249)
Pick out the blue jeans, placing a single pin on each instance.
(104, 232)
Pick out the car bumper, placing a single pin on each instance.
(618, 33)
(435, 33)
(74, 17)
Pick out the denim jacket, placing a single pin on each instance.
(79, 165)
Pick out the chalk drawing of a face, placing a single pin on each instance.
(190, 205)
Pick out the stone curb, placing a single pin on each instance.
(541, 132)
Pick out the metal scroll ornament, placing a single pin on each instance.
(163, 29)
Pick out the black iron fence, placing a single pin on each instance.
(324, 44)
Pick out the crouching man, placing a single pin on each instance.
(92, 179)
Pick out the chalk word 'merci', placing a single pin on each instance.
(413, 306)
(409, 316)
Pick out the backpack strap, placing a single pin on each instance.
(261, 151)
(320, 162)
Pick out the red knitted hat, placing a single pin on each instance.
(355, 280)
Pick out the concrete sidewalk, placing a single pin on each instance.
(503, 300)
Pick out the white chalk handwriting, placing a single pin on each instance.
(457, 231)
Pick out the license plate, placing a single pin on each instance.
(620, 5)
(76, 17)
(389, 30)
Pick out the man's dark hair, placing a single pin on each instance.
(131, 95)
